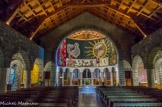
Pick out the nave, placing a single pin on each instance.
(86, 96)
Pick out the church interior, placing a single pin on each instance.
(81, 53)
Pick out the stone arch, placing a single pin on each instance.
(21, 61)
(76, 76)
(37, 72)
(107, 79)
(152, 57)
(127, 65)
(76, 73)
(158, 71)
(67, 76)
(18, 74)
(94, 28)
(22, 56)
(97, 76)
(39, 63)
(50, 66)
(97, 72)
(157, 65)
(137, 60)
(86, 73)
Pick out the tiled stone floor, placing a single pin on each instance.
(87, 97)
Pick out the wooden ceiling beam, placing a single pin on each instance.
(56, 12)
(12, 17)
(41, 7)
(22, 16)
(142, 8)
(29, 8)
(87, 5)
(131, 5)
(52, 6)
(156, 9)
(123, 14)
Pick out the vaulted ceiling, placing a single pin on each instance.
(35, 18)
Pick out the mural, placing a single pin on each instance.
(94, 53)
(61, 56)
(100, 49)
(87, 62)
(73, 52)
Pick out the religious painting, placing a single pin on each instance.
(97, 49)
(100, 49)
(61, 56)
(12, 74)
(73, 51)
(142, 74)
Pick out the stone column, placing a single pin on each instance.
(52, 75)
(117, 77)
(111, 78)
(3, 72)
(92, 79)
(28, 79)
(150, 78)
(63, 79)
(81, 76)
(71, 78)
(57, 78)
(102, 76)
(121, 73)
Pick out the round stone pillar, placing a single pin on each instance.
(62, 78)
(28, 79)
(71, 78)
(92, 79)
(150, 78)
(3, 73)
(111, 78)
(81, 78)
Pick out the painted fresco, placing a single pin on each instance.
(61, 56)
(87, 62)
(94, 53)
(100, 49)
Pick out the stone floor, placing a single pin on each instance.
(87, 97)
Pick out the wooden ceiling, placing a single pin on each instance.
(34, 18)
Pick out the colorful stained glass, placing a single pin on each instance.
(35, 74)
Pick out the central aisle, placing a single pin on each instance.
(87, 97)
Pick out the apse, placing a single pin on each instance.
(82, 52)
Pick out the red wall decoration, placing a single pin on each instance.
(61, 55)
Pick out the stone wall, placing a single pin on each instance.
(12, 42)
(122, 39)
(16, 47)
(147, 46)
